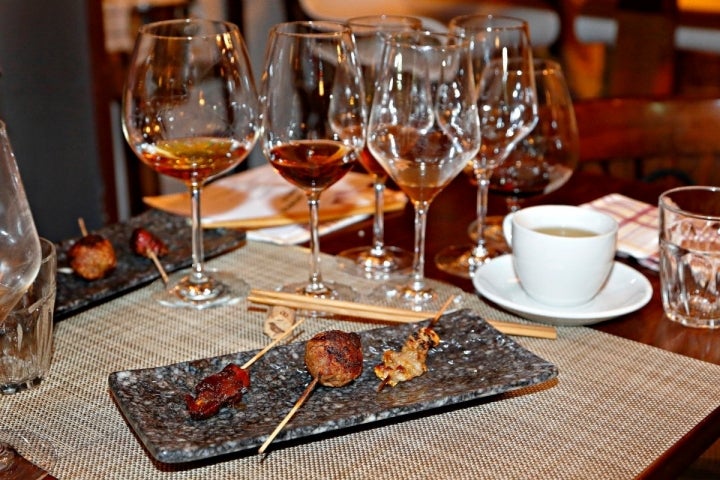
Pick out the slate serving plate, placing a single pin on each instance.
(473, 360)
(132, 271)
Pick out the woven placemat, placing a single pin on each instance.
(615, 407)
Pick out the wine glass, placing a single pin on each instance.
(19, 241)
(20, 258)
(544, 160)
(377, 261)
(423, 129)
(313, 121)
(190, 111)
(507, 101)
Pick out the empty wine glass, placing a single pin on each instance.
(19, 242)
(377, 261)
(507, 103)
(544, 160)
(190, 111)
(423, 129)
(20, 258)
(313, 121)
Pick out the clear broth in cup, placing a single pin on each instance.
(572, 232)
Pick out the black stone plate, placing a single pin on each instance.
(75, 294)
(473, 360)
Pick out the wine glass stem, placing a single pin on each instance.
(418, 275)
(483, 181)
(378, 247)
(316, 283)
(198, 269)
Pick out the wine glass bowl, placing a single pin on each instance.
(190, 111)
(507, 105)
(377, 261)
(19, 241)
(544, 160)
(423, 129)
(313, 121)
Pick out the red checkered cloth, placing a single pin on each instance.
(639, 227)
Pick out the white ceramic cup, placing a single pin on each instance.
(556, 269)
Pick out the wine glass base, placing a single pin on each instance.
(33, 448)
(222, 288)
(393, 262)
(327, 290)
(493, 230)
(463, 260)
(430, 298)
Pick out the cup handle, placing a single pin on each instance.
(507, 227)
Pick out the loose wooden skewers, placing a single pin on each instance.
(387, 314)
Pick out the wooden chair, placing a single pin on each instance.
(674, 140)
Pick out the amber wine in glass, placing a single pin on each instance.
(313, 122)
(191, 111)
(423, 129)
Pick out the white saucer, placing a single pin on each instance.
(625, 291)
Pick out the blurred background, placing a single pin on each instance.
(62, 66)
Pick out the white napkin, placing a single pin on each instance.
(273, 210)
(639, 226)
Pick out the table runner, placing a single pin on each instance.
(615, 407)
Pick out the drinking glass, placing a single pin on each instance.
(507, 103)
(377, 261)
(190, 111)
(423, 129)
(313, 121)
(690, 255)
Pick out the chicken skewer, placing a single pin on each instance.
(409, 362)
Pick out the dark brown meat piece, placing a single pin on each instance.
(334, 357)
(142, 242)
(92, 257)
(217, 390)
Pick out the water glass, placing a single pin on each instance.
(690, 255)
(26, 333)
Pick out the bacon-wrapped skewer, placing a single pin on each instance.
(217, 390)
(227, 386)
(145, 243)
(409, 362)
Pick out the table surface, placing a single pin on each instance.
(619, 408)
(453, 210)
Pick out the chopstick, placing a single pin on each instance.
(388, 314)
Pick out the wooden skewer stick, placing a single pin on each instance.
(272, 344)
(163, 274)
(83, 229)
(281, 425)
(440, 312)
